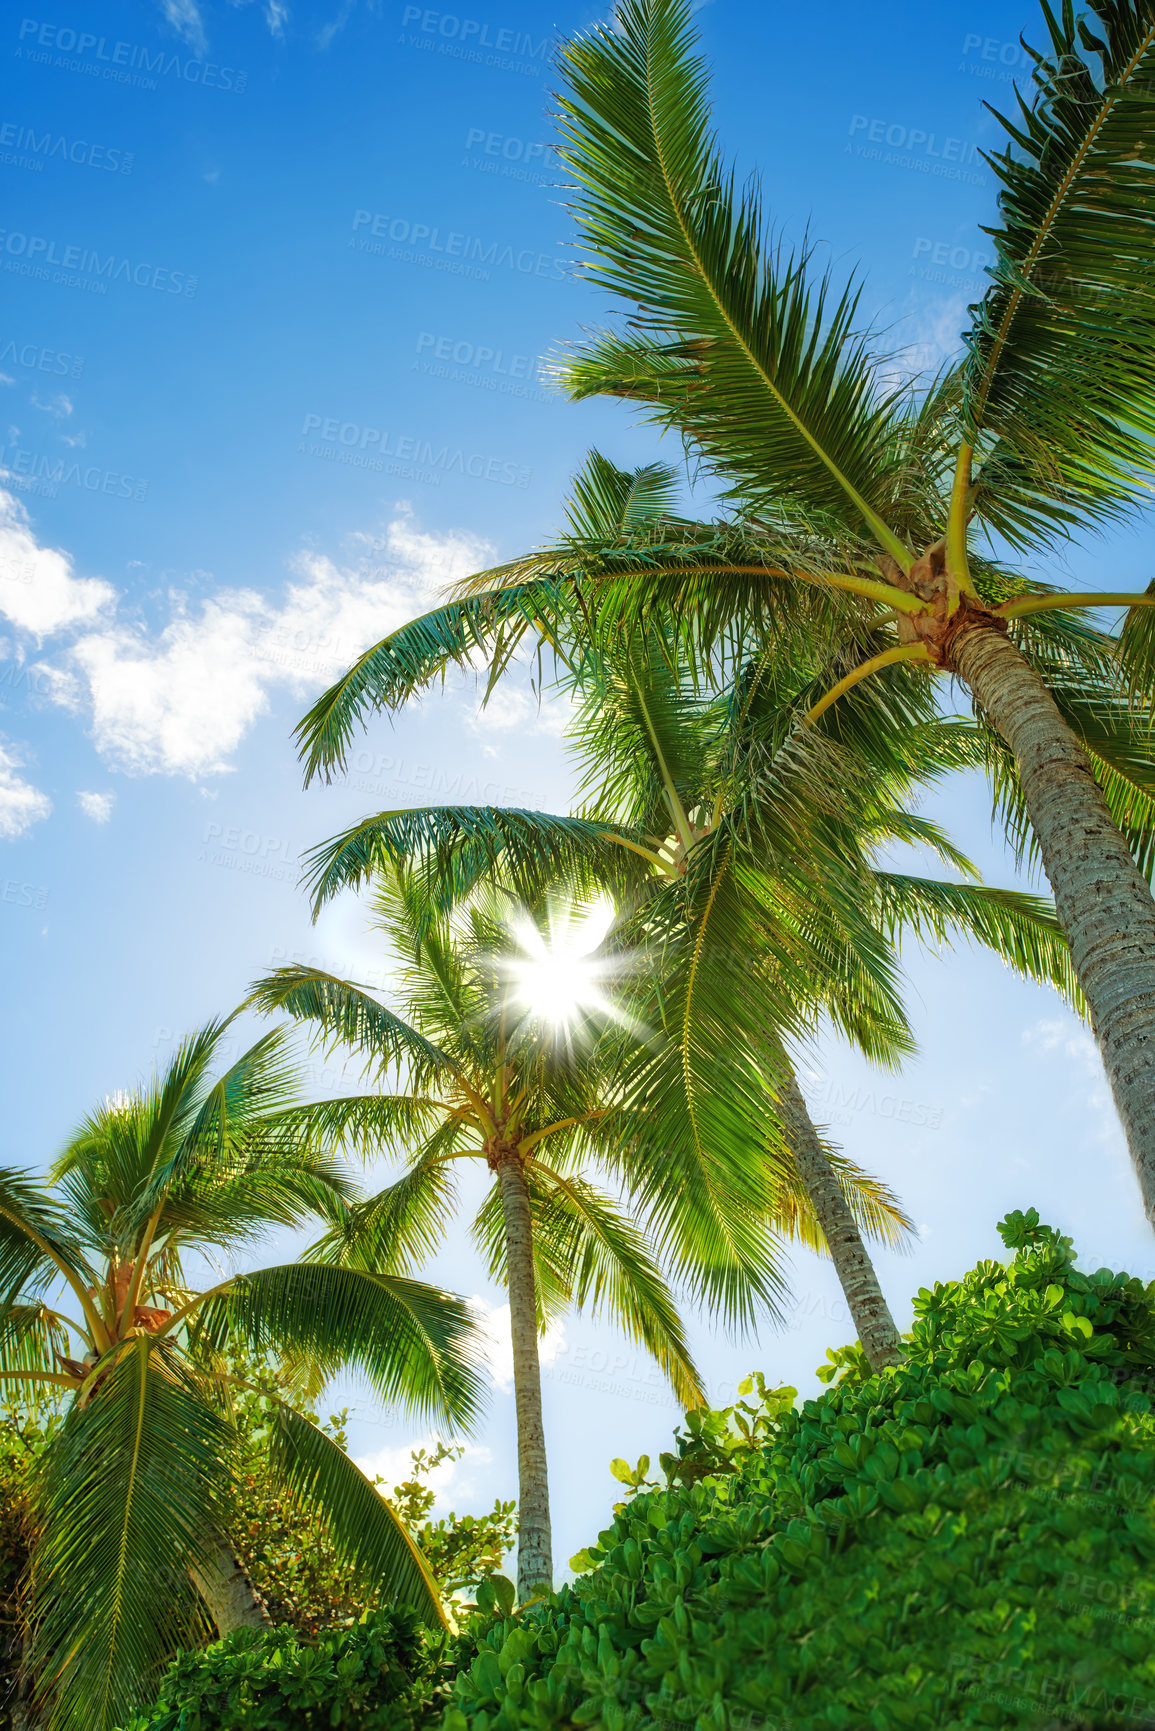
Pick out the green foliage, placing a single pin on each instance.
(378, 1675)
(312, 1584)
(24, 1432)
(965, 1540)
(462, 1551)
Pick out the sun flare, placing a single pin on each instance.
(558, 978)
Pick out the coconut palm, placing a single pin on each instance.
(101, 1308)
(484, 1078)
(852, 500)
(743, 845)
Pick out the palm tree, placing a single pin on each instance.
(132, 1550)
(854, 504)
(743, 847)
(486, 1079)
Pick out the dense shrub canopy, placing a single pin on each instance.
(377, 1675)
(966, 1540)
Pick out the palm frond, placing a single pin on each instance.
(130, 1498)
(386, 675)
(760, 367)
(416, 1346)
(343, 1014)
(611, 1271)
(454, 847)
(874, 1205)
(365, 1529)
(401, 1226)
(1058, 390)
(1021, 929)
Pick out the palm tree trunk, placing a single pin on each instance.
(1102, 899)
(534, 1536)
(233, 1601)
(868, 1308)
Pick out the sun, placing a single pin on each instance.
(558, 979)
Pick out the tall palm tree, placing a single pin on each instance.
(743, 848)
(96, 1269)
(485, 1078)
(858, 505)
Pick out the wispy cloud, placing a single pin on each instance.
(97, 806)
(21, 804)
(185, 18)
(38, 592)
(179, 698)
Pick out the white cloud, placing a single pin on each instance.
(97, 806)
(1077, 1045)
(59, 406)
(185, 18)
(510, 709)
(276, 15)
(494, 1321)
(456, 1479)
(38, 592)
(179, 701)
(21, 804)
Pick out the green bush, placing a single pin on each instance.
(964, 1541)
(380, 1674)
(290, 1555)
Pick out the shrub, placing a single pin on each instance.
(291, 1558)
(966, 1540)
(380, 1674)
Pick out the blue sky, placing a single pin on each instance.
(278, 283)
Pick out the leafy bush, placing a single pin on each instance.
(966, 1540)
(381, 1674)
(290, 1556)
(24, 1431)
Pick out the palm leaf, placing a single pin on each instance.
(455, 847)
(874, 1205)
(396, 1230)
(611, 1270)
(366, 1531)
(1021, 929)
(344, 1014)
(762, 369)
(414, 1345)
(130, 1498)
(1058, 390)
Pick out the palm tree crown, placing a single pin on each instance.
(130, 1503)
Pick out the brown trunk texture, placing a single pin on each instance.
(1103, 901)
(868, 1308)
(534, 1536)
(226, 1589)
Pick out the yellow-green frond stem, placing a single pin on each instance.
(888, 658)
(957, 563)
(1024, 604)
